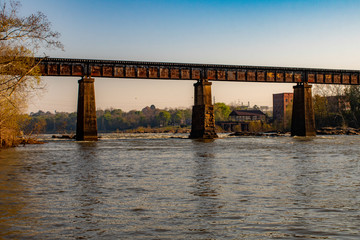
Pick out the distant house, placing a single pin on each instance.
(241, 119)
(247, 115)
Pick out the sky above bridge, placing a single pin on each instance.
(321, 34)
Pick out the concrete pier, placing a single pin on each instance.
(86, 127)
(203, 119)
(303, 119)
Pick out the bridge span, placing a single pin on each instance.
(203, 121)
(190, 71)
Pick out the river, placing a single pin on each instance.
(164, 186)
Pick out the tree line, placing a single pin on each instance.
(109, 120)
(337, 106)
(112, 120)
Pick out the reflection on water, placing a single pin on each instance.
(13, 204)
(205, 188)
(165, 186)
(88, 189)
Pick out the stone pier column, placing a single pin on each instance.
(303, 119)
(203, 120)
(86, 127)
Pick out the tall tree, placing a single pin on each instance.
(20, 38)
(352, 96)
(164, 118)
(222, 111)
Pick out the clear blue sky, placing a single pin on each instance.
(271, 33)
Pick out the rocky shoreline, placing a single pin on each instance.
(337, 131)
(259, 134)
(321, 131)
(64, 136)
(157, 130)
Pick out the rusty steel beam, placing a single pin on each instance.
(189, 71)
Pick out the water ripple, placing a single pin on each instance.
(164, 186)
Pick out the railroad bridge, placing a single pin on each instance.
(203, 122)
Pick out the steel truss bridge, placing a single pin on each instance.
(190, 71)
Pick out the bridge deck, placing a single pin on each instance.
(188, 71)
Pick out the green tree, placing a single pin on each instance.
(177, 117)
(164, 118)
(321, 110)
(352, 96)
(221, 111)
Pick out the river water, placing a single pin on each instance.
(164, 186)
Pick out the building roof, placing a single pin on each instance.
(247, 113)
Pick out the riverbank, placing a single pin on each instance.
(187, 130)
(158, 130)
(20, 141)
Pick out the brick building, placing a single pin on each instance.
(282, 108)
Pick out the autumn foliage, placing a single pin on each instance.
(20, 39)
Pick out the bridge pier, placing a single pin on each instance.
(303, 119)
(86, 127)
(203, 120)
